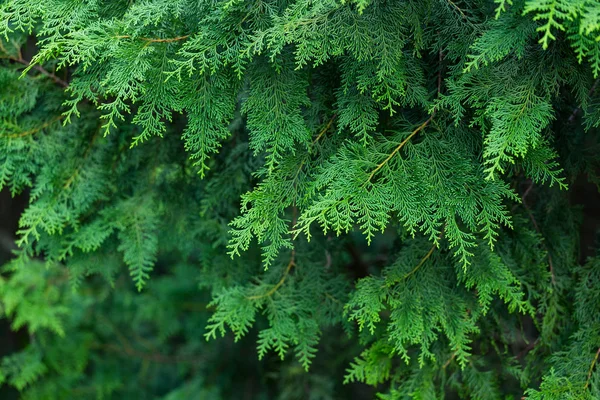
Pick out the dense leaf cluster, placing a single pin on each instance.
(372, 191)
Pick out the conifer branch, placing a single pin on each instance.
(589, 375)
(397, 149)
(275, 81)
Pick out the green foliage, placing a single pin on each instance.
(297, 199)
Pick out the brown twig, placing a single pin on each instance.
(537, 229)
(126, 348)
(527, 349)
(319, 136)
(153, 357)
(86, 153)
(289, 267)
(578, 109)
(50, 75)
(589, 375)
(397, 149)
(439, 76)
(332, 298)
(526, 192)
(325, 129)
(19, 59)
(461, 12)
(155, 40)
(449, 361)
(194, 306)
(420, 264)
(36, 129)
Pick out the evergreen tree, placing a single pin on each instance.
(360, 192)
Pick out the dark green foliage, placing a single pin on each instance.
(356, 192)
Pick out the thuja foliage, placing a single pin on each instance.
(358, 192)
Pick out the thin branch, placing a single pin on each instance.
(86, 153)
(38, 68)
(319, 136)
(327, 259)
(156, 40)
(120, 337)
(578, 109)
(324, 130)
(34, 130)
(126, 348)
(397, 149)
(420, 264)
(527, 349)
(19, 53)
(461, 12)
(19, 59)
(449, 361)
(589, 375)
(290, 265)
(526, 192)
(332, 298)
(439, 76)
(50, 75)
(193, 306)
(153, 357)
(537, 229)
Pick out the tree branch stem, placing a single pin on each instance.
(397, 149)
